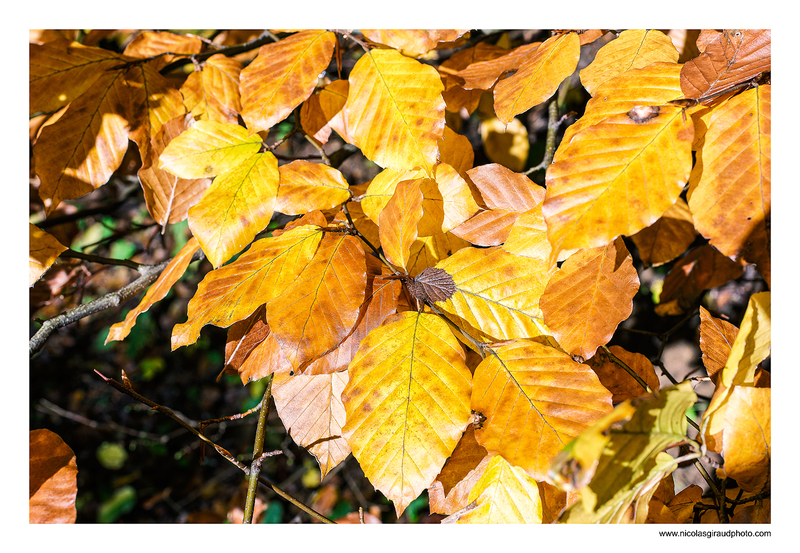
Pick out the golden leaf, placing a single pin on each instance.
(237, 206)
(488, 67)
(589, 296)
(450, 491)
(668, 237)
(395, 110)
(44, 250)
(506, 143)
(617, 380)
(149, 43)
(398, 222)
(412, 42)
(213, 93)
(747, 442)
(407, 403)
(504, 494)
(282, 76)
(307, 186)
(716, 339)
(458, 204)
(381, 189)
(456, 151)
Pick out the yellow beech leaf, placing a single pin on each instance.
(668, 237)
(488, 67)
(427, 251)
(730, 187)
(80, 151)
(171, 274)
(312, 411)
(653, 85)
(618, 177)
(458, 203)
(282, 76)
(506, 143)
(243, 337)
(395, 110)
(381, 189)
(716, 340)
(62, 70)
(504, 494)
(213, 93)
(168, 198)
(617, 380)
(233, 292)
(630, 50)
(747, 442)
(307, 186)
(237, 206)
(538, 77)
(412, 42)
(150, 43)
(208, 149)
(320, 308)
(407, 404)
(589, 296)
(536, 399)
(398, 222)
(497, 292)
(528, 235)
(44, 250)
(456, 151)
(323, 112)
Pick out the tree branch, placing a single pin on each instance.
(258, 451)
(264, 38)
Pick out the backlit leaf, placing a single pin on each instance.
(85, 146)
(320, 308)
(323, 112)
(53, 479)
(450, 491)
(504, 495)
(282, 76)
(668, 237)
(528, 235)
(747, 429)
(395, 110)
(589, 296)
(716, 340)
(398, 222)
(407, 404)
(150, 43)
(730, 188)
(44, 250)
(617, 177)
(412, 42)
(502, 188)
(307, 186)
(243, 337)
(489, 227)
(617, 380)
(171, 274)
(456, 151)
(237, 206)
(208, 149)
(484, 72)
(233, 292)
(312, 411)
(535, 400)
(538, 77)
(630, 50)
(458, 203)
(497, 292)
(213, 92)
(381, 189)
(506, 143)
(264, 359)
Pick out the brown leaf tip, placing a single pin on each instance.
(432, 284)
(643, 114)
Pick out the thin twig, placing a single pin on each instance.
(264, 38)
(550, 142)
(72, 254)
(258, 449)
(219, 449)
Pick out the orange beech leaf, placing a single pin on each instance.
(381, 189)
(716, 339)
(317, 114)
(731, 57)
(701, 269)
(233, 292)
(488, 227)
(617, 380)
(382, 295)
(455, 95)
(538, 77)
(747, 442)
(320, 308)
(407, 404)
(483, 73)
(668, 237)
(504, 494)
(237, 206)
(332, 101)
(151, 102)
(412, 42)
(502, 188)
(450, 490)
(62, 70)
(311, 409)
(168, 198)
(630, 50)
(653, 85)
(85, 146)
(458, 204)
(589, 296)
(730, 187)
(395, 110)
(208, 149)
(213, 92)
(243, 337)
(171, 274)
(617, 177)
(506, 144)
(536, 399)
(456, 151)
(497, 293)
(307, 186)
(44, 250)
(398, 222)
(150, 43)
(283, 75)
(263, 360)
(528, 235)
(52, 479)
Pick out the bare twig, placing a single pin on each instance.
(258, 450)
(72, 254)
(264, 38)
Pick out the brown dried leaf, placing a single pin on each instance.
(668, 237)
(617, 380)
(53, 479)
(431, 285)
(716, 339)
